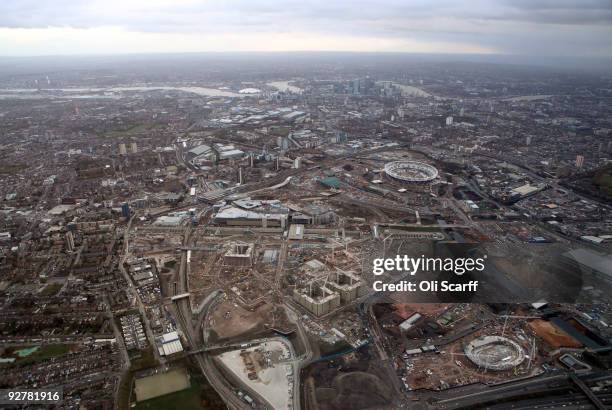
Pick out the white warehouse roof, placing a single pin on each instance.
(171, 344)
(172, 348)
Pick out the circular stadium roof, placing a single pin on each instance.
(495, 352)
(411, 171)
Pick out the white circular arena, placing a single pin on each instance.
(495, 353)
(411, 172)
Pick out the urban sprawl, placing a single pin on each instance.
(207, 233)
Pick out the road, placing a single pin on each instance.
(184, 315)
(511, 391)
(203, 360)
(385, 362)
(125, 357)
(307, 356)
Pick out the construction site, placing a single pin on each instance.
(494, 353)
(309, 230)
(302, 251)
(327, 292)
(266, 368)
(356, 380)
(440, 346)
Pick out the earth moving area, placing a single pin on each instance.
(353, 380)
(230, 321)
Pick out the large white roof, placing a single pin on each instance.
(172, 347)
(234, 213)
(200, 149)
(168, 337)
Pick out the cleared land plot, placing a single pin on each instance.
(405, 310)
(231, 320)
(552, 335)
(160, 384)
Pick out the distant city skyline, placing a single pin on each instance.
(567, 28)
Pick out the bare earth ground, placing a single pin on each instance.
(239, 321)
(551, 335)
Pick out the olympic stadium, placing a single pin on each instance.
(495, 353)
(411, 172)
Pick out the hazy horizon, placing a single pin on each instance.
(11, 64)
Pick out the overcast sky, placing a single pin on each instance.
(524, 27)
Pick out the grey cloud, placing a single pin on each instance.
(585, 23)
(80, 13)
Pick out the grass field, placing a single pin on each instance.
(280, 131)
(188, 399)
(140, 360)
(51, 289)
(161, 384)
(12, 168)
(44, 352)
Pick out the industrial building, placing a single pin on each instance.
(469, 206)
(169, 344)
(198, 151)
(200, 154)
(172, 219)
(227, 152)
(409, 323)
(234, 216)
